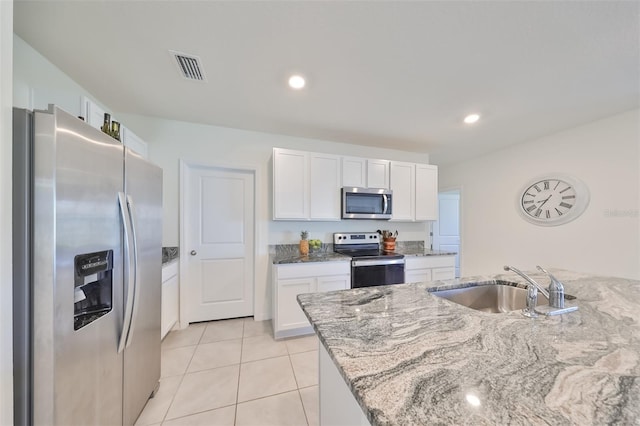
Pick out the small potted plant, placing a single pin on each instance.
(304, 243)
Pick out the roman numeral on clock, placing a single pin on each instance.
(537, 188)
(546, 184)
(559, 212)
(537, 214)
(547, 214)
(531, 208)
(568, 197)
(566, 205)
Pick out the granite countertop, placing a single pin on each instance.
(410, 357)
(169, 254)
(312, 257)
(411, 252)
(289, 253)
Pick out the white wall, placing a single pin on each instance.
(6, 280)
(604, 240)
(37, 82)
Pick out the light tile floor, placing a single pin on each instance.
(233, 372)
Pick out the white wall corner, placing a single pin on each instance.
(6, 247)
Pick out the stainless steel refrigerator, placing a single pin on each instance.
(87, 273)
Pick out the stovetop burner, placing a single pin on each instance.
(361, 245)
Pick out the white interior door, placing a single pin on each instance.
(219, 211)
(446, 230)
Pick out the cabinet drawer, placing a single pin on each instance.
(447, 273)
(318, 269)
(169, 270)
(421, 262)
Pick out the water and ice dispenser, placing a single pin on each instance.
(93, 289)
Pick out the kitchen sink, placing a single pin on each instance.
(490, 296)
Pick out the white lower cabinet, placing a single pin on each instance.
(170, 297)
(290, 280)
(429, 268)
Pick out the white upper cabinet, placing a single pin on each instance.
(403, 184)
(306, 185)
(290, 184)
(378, 173)
(324, 180)
(354, 172)
(365, 173)
(426, 192)
(94, 115)
(131, 140)
(415, 191)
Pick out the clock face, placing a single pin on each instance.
(553, 200)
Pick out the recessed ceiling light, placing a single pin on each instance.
(471, 118)
(296, 82)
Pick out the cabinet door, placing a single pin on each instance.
(169, 310)
(290, 184)
(354, 172)
(290, 314)
(333, 282)
(133, 141)
(95, 114)
(417, 276)
(403, 186)
(378, 174)
(443, 273)
(426, 192)
(324, 194)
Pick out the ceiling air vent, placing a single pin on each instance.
(189, 66)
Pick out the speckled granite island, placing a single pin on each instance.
(407, 357)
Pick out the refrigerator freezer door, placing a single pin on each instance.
(77, 269)
(143, 186)
(22, 138)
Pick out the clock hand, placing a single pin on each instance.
(549, 197)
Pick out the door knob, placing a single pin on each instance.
(193, 252)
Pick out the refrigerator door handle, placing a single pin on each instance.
(129, 271)
(132, 219)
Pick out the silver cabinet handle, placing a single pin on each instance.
(193, 252)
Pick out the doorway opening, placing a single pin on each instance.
(446, 231)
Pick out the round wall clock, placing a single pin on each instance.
(552, 199)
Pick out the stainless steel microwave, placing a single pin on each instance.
(366, 203)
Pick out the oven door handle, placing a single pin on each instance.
(379, 262)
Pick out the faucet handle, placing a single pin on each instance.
(556, 290)
(532, 301)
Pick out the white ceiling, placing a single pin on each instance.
(399, 75)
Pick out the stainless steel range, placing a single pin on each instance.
(370, 266)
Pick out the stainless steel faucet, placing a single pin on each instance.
(555, 294)
(530, 280)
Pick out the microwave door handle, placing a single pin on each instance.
(386, 203)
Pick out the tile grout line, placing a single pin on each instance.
(164, 418)
(293, 370)
(235, 413)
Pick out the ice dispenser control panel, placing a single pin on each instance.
(93, 287)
